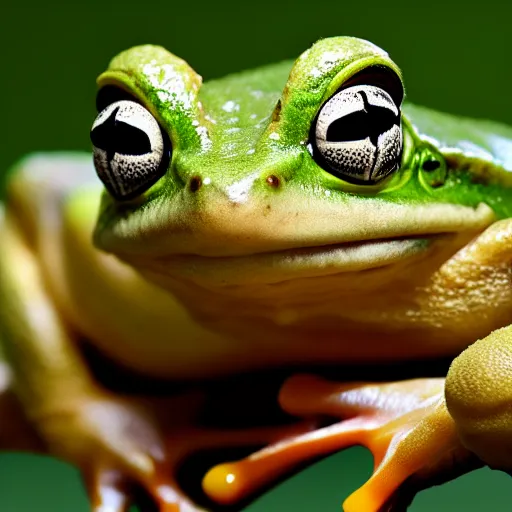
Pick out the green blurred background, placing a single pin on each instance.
(455, 57)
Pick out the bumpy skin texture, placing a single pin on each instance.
(246, 254)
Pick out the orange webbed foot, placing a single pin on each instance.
(405, 425)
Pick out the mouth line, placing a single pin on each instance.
(302, 262)
(305, 250)
(346, 245)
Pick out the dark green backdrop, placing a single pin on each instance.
(456, 56)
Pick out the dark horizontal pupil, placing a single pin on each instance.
(118, 137)
(370, 122)
(431, 165)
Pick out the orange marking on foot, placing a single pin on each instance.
(227, 483)
(405, 425)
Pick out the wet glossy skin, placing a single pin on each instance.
(244, 250)
(243, 188)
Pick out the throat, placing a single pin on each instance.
(315, 304)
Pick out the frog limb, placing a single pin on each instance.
(177, 418)
(405, 425)
(479, 397)
(76, 420)
(109, 438)
(478, 385)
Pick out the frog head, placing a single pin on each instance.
(294, 170)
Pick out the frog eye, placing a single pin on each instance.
(358, 134)
(130, 151)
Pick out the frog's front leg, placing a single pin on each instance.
(405, 425)
(479, 383)
(479, 398)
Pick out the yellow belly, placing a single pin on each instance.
(392, 313)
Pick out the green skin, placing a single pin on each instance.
(243, 205)
(478, 152)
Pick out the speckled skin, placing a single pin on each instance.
(246, 254)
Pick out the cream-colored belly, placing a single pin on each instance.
(409, 311)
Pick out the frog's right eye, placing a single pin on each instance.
(358, 135)
(131, 152)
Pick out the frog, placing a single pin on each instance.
(296, 216)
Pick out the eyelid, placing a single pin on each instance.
(370, 71)
(109, 94)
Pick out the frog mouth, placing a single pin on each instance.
(278, 234)
(305, 262)
(224, 246)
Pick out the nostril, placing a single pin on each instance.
(195, 183)
(273, 181)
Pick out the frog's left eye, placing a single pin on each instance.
(130, 150)
(358, 134)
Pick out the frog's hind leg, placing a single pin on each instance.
(405, 425)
